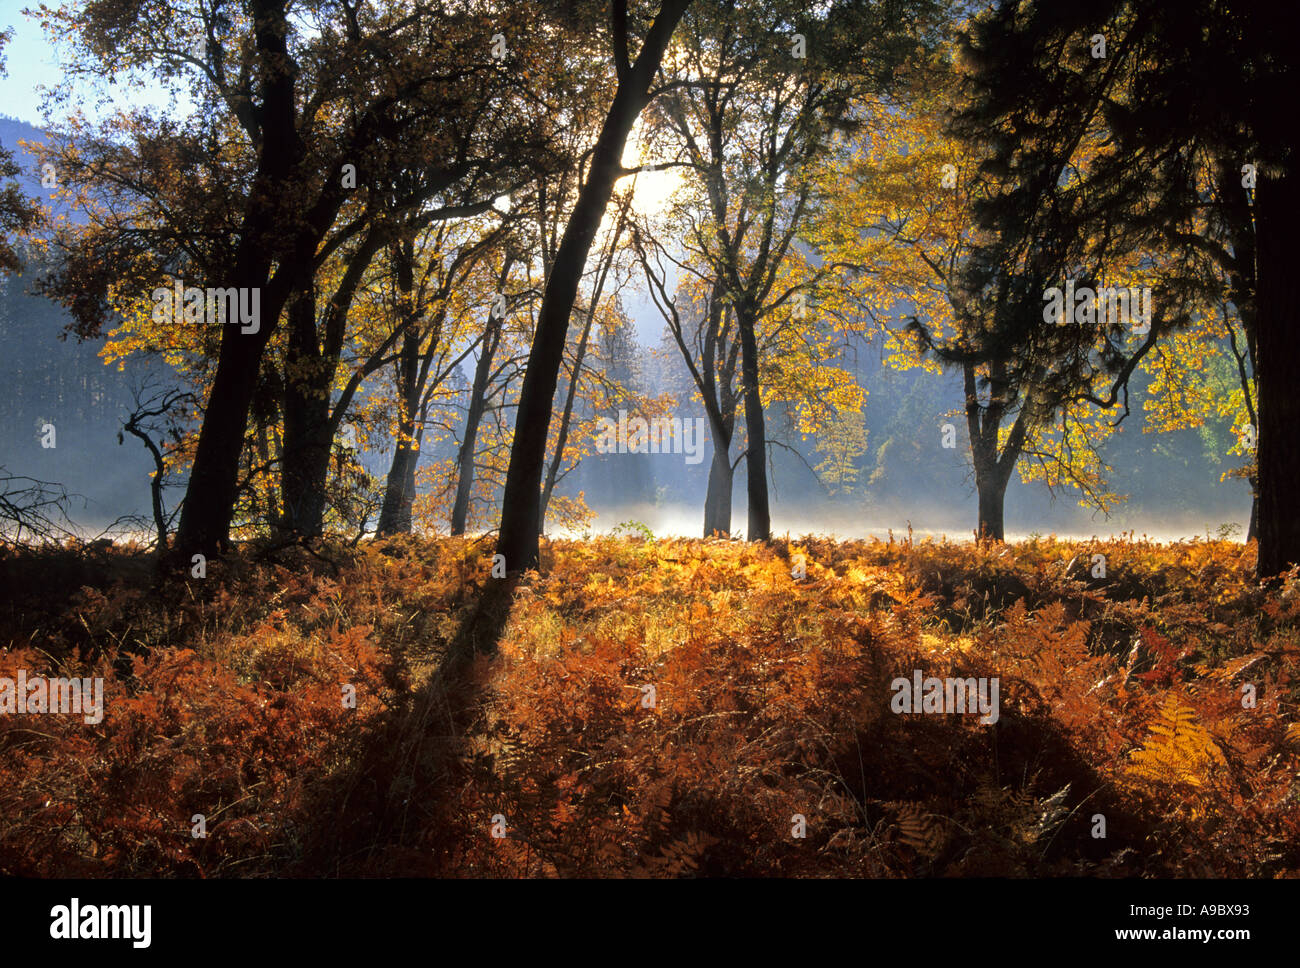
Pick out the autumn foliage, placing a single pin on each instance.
(1120, 696)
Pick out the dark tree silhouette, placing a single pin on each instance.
(520, 525)
(1181, 89)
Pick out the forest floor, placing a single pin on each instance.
(657, 708)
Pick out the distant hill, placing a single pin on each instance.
(12, 132)
(49, 380)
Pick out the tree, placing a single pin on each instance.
(561, 451)
(31, 508)
(158, 411)
(575, 109)
(894, 220)
(797, 353)
(18, 214)
(762, 116)
(1205, 375)
(291, 143)
(1152, 76)
(490, 381)
(701, 323)
(435, 308)
(520, 527)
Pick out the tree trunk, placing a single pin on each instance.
(262, 447)
(566, 419)
(399, 493)
(214, 476)
(717, 501)
(315, 345)
(156, 483)
(994, 467)
(308, 431)
(465, 480)
(992, 489)
(1243, 285)
(566, 416)
(1278, 209)
(473, 417)
(760, 518)
(518, 538)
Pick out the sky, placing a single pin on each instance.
(32, 62)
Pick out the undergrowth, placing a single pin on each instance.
(657, 708)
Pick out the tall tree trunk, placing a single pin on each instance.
(465, 466)
(473, 417)
(993, 467)
(561, 440)
(759, 514)
(717, 500)
(399, 492)
(566, 416)
(262, 446)
(1278, 360)
(214, 476)
(308, 431)
(715, 379)
(991, 487)
(309, 421)
(518, 538)
(1243, 289)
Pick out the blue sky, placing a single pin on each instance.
(31, 62)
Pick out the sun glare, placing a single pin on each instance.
(652, 190)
